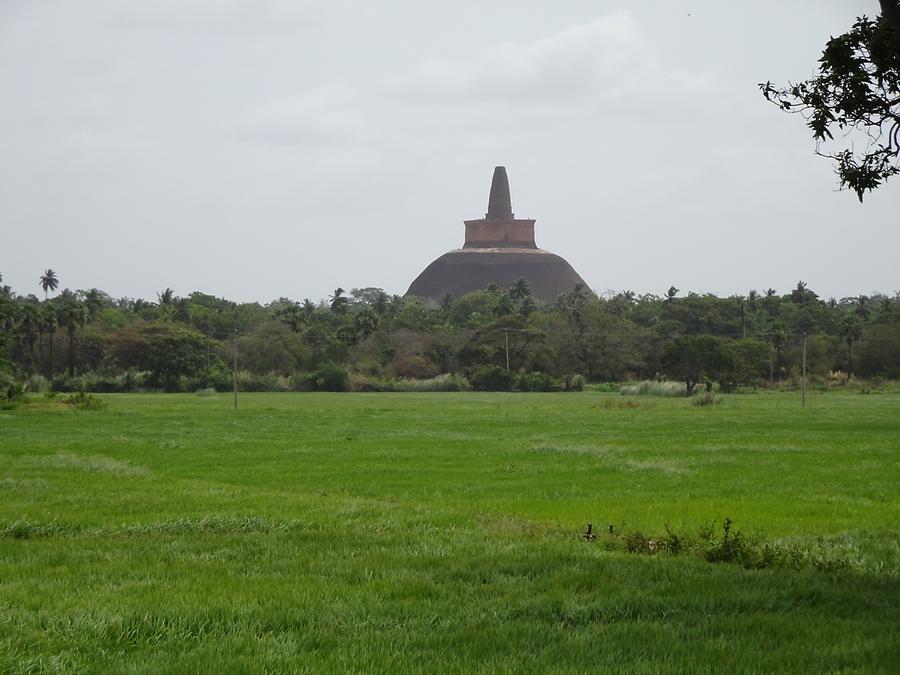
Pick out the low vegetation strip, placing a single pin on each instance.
(446, 531)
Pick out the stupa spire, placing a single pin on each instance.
(499, 203)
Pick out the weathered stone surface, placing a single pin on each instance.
(465, 270)
(499, 202)
(498, 249)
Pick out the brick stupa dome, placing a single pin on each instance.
(498, 249)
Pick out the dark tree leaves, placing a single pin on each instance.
(857, 89)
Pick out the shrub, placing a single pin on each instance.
(537, 382)
(247, 381)
(363, 383)
(492, 378)
(11, 392)
(328, 377)
(654, 388)
(705, 399)
(38, 384)
(65, 384)
(84, 401)
(573, 382)
(445, 382)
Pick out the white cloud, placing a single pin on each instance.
(609, 55)
(325, 115)
(215, 16)
(604, 66)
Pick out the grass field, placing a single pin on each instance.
(441, 533)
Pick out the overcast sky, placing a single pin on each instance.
(267, 148)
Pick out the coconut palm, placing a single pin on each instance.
(851, 331)
(520, 289)
(50, 321)
(365, 323)
(166, 297)
(28, 321)
(381, 303)
(93, 301)
(527, 307)
(338, 301)
(72, 314)
(505, 305)
(308, 310)
(49, 282)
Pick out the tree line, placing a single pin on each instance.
(495, 338)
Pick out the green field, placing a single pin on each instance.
(441, 532)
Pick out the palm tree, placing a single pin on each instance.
(365, 323)
(528, 306)
(50, 321)
(166, 297)
(505, 305)
(73, 314)
(520, 289)
(381, 303)
(308, 310)
(851, 331)
(338, 301)
(93, 300)
(49, 282)
(29, 318)
(670, 295)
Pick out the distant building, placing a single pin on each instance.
(499, 249)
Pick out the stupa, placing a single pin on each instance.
(498, 249)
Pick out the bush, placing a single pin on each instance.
(654, 388)
(329, 377)
(38, 384)
(705, 399)
(537, 382)
(100, 382)
(492, 378)
(573, 383)
(247, 381)
(84, 401)
(214, 377)
(11, 391)
(731, 546)
(363, 383)
(445, 382)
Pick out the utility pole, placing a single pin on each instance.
(234, 375)
(506, 335)
(804, 369)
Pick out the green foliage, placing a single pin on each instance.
(81, 400)
(879, 352)
(328, 377)
(619, 337)
(694, 357)
(857, 89)
(707, 398)
(445, 382)
(537, 382)
(492, 378)
(654, 388)
(730, 546)
(247, 381)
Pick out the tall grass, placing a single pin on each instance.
(654, 388)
